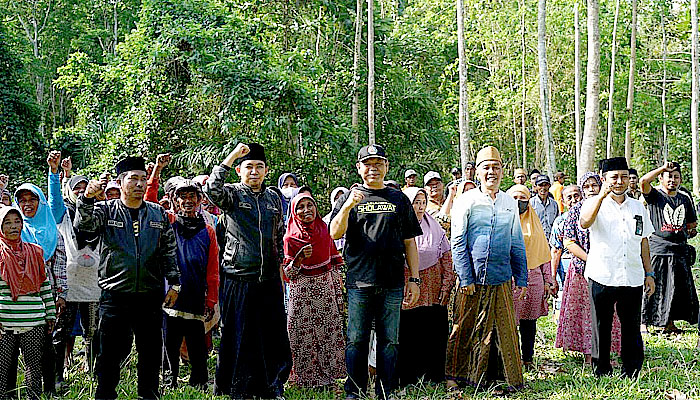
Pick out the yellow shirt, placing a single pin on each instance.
(556, 191)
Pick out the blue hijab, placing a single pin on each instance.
(41, 228)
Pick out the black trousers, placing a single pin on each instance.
(528, 331)
(423, 333)
(193, 331)
(124, 316)
(628, 301)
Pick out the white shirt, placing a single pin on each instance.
(615, 255)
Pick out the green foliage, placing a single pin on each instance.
(18, 121)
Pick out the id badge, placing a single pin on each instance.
(639, 227)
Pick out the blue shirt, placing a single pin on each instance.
(547, 212)
(556, 239)
(487, 240)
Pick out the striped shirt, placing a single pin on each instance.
(28, 311)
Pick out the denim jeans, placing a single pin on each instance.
(383, 306)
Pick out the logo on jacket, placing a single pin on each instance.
(115, 224)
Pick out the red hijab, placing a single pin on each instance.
(315, 233)
(21, 263)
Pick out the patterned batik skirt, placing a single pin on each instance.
(483, 345)
(574, 332)
(315, 326)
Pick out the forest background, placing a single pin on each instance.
(99, 79)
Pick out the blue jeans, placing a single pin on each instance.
(383, 306)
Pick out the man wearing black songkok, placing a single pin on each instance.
(138, 256)
(254, 355)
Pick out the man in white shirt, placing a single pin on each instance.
(618, 268)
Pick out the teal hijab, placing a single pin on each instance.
(41, 228)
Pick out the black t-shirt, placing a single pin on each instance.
(670, 216)
(374, 250)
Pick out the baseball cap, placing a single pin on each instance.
(431, 175)
(371, 151)
(542, 179)
(410, 172)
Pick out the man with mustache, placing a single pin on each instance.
(618, 267)
(674, 219)
(138, 256)
(380, 227)
(488, 253)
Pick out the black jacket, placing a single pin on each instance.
(130, 263)
(254, 228)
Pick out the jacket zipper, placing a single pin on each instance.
(262, 255)
(138, 251)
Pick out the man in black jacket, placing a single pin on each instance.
(254, 355)
(138, 255)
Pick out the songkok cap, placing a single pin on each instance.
(519, 171)
(410, 172)
(131, 164)
(431, 175)
(371, 151)
(534, 171)
(257, 152)
(188, 185)
(633, 172)
(542, 179)
(614, 164)
(488, 153)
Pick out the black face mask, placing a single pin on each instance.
(522, 206)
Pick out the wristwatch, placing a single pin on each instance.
(651, 274)
(414, 280)
(176, 288)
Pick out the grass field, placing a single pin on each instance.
(671, 371)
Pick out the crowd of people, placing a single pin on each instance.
(442, 282)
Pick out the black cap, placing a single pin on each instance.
(542, 179)
(472, 163)
(257, 152)
(371, 151)
(633, 172)
(131, 164)
(613, 164)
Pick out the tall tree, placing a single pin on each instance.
(664, 54)
(370, 70)
(577, 82)
(695, 97)
(523, 86)
(630, 85)
(463, 100)
(544, 90)
(611, 90)
(356, 68)
(590, 131)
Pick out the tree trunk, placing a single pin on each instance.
(522, 83)
(590, 131)
(611, 91)
(695, 96)
(577, 86)
(356, 69)
(370, 70)
(463, 104)
(664, 144)
(630, 85)
(544, 90)
(516, 139)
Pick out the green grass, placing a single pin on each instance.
(671, 368)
